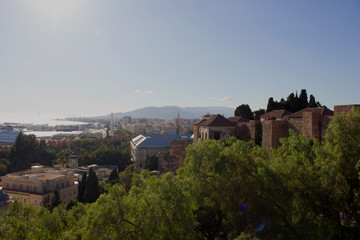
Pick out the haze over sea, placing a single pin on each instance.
(43, 119)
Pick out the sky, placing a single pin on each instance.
(90, 58)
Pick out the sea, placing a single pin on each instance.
(40, 120)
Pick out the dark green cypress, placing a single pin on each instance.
(92, 190)
(81, 188)
(114, 176)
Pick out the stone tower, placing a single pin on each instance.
(73, 161)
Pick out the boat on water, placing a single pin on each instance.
(8, 135)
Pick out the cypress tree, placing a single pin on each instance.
(92, 190)
(270, 105)
(312, 102)
(114, 176)
(81, 188)
(303, 99)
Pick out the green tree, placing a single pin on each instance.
(81, 188)
(244, 111)
(55, 200)
(151, 163)
(258, 113)
(221, 178)
(340, 171)
(270, 105)
(92, 191)
(3, 169)
(114, 176)
(303, 98)
(126, 176)
(313, 103)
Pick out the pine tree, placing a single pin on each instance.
(92, 190)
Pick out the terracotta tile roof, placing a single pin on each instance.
(218, 120)
(199, 122)
(322, 111)
(279, 114)
(238, 119)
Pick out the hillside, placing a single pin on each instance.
(170, 112)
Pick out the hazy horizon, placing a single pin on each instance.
(91, 58)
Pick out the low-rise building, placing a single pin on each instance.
(34, 185)
(144, 146)
(102, 171)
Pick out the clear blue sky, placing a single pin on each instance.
(95, 57)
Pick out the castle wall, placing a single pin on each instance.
(343, 109)
(178, 148)
(311, 125)
(272, 132)
(324, 123)
(170, 162)
(197, 134)
(242, 132)
(252, 128)
(295, 125)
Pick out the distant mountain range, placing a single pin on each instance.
(170, 112)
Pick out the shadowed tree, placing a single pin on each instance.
(55, 200)
(303, 99)
(92, 190)
(81, 188)
(114, 176)
(244, 111)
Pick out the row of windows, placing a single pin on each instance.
(21, 187)
(28, 188)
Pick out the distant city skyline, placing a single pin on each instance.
(91, 58)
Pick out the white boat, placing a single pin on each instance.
(8, 135)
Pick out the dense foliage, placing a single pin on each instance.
(293, 103)
(28, 150)
(244, 110)
(226, 190)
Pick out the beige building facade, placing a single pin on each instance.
(33, 185)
